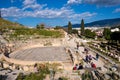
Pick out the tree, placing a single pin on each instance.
(40, 26)
(82, 27)
(69, 27)
(58, 27)
(0, 14)
(107, 33)
(89, 34)
(115, 36)
(74, 31)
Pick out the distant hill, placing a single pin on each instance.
(100, 23)
(5, 24)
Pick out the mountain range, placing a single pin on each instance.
(100, 23)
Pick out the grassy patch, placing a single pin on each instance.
(27, 33)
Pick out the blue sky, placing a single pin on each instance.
(58, 12)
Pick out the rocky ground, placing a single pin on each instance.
(69, 42)
(76, 75)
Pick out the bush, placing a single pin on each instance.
(43, 71)
(63, 78)
(74, 31)
(89, 34)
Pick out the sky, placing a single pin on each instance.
(58, 12)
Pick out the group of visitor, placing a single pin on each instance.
(88, 58)
(78, 67)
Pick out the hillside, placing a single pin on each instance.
(15, 31)
(100, 23)
(5, 24)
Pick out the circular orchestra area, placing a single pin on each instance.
(41, 54)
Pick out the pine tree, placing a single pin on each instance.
(0, 14)
(82, 27)
(107, 33)
(69, 27)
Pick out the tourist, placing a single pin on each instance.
(80, 66)
(97, 56)
(75, 67)
(87, 58)
(86, 50)
(77, 45)
(35, 68)
(90, 58)
(93, 65)
(114, 67)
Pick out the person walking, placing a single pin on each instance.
(87, 58)
(75, 67)
(93, 65)
(77, 45)
(90, 58)
(97, 56)
(80, 66)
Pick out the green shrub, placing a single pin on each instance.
(43, 71)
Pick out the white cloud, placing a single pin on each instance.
(53, 13)
(12, 1)
(103, 2)
(83, 15)
(29, 2)
(32, 4)
(11, 12)
(74, 1)
(42, 11)
(96, 2)
(117, 10)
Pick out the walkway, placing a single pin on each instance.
(72, 44)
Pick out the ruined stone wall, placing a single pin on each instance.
(37, 43)
(25, 65)
(18, 45)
